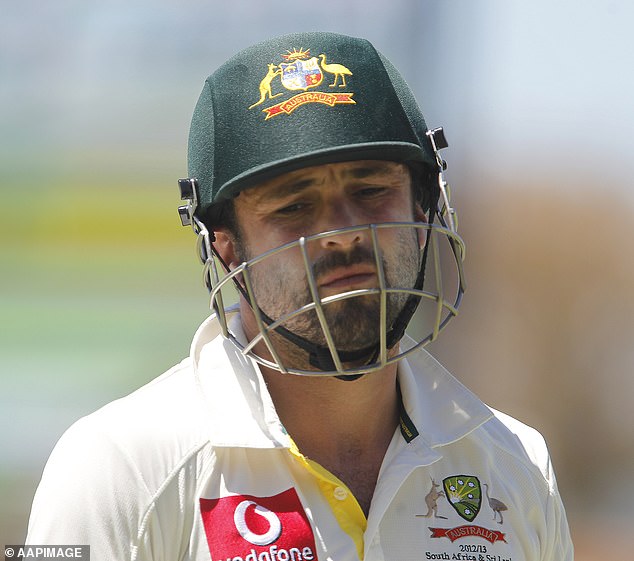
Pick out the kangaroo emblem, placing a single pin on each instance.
(431, 500)
(265, 85)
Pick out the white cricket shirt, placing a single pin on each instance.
(196, 466)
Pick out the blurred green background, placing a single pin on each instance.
(100, 287)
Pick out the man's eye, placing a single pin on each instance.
(291, 209)
(369, 192)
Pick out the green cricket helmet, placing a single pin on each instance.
(296, 101)
(303, 100)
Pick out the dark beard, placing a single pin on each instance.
(355, 322)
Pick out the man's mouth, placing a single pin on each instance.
(349, 278)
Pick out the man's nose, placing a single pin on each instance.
(337, 218)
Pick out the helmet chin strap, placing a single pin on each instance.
(320, 356)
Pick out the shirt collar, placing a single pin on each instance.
(436, 408)
(236, 400)
(440, 408)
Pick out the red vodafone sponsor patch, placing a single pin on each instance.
(248, 528)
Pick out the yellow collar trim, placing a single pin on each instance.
(343, 503)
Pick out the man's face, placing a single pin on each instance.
(322, 199)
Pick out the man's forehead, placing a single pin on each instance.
(294, 181)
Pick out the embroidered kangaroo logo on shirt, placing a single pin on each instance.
(431, 500)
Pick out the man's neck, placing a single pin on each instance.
(346, 426)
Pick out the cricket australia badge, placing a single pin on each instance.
(464, 493)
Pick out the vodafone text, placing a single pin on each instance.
(278, 554)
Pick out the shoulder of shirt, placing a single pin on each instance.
(165, 416)
(517, 439)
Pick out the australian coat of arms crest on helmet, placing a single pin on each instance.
(302, 72)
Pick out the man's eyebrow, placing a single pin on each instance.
(296, 185)
(290, 187)
(368, 169)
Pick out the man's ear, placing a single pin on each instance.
(419, 213)
(420, 216)
(225, 245)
